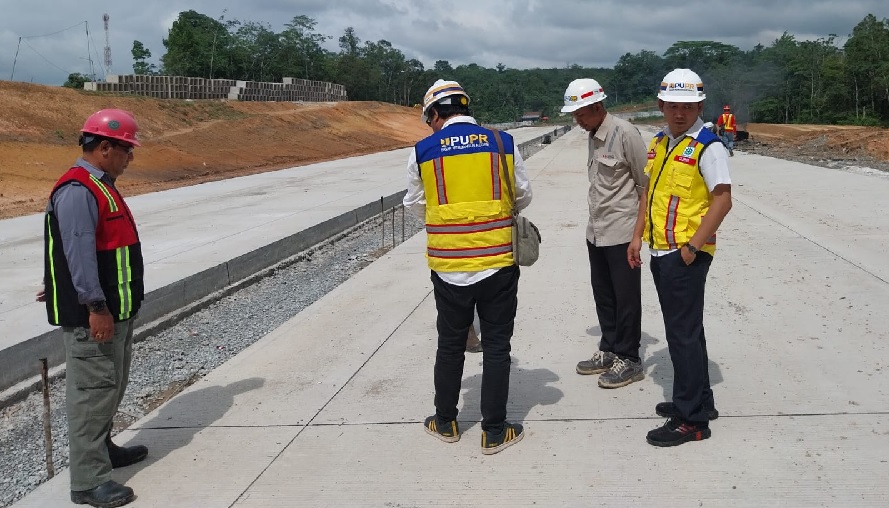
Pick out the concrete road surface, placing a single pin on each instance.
(326, 411)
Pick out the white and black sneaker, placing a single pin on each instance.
(622, 373)
(599, 363)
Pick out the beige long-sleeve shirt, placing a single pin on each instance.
(616, 170)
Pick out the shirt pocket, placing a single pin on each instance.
(682, 183)
(606, 167)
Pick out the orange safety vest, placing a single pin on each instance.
(727, 120)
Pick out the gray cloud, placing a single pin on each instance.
(519, 33)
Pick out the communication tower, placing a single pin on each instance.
(105, 18)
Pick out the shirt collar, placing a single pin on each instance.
(459, 119)
(604, 128)
(93, 170)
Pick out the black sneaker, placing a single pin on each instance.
(449, 432)
(674, 433)
(668, 410)
(511, 434)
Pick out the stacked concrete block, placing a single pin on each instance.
(182, 87)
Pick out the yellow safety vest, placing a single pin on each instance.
(468, 221)
(678, 198)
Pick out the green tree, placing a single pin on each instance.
(700, 55)
(636, 77)
(302, 45)
(867, 51)
(140, 55)
(196, 44)
(76, 81)
(443, 67)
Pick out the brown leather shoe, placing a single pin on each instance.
(123, 456)
(108, 495)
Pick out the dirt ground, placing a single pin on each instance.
(184, 143)
(821, 145)
(190, 142)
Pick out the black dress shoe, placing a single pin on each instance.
(108, 495)
(123, 456)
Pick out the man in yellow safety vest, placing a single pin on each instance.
(457, 186)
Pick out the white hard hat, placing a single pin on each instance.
(582, 92)
(443, 92)
(682, 85)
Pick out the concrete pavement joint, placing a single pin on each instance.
(321, 409)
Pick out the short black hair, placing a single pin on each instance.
(446, 111)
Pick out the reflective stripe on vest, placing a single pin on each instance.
(54, 297)
(124, 276)
(112, 205)
(472, 252)
(444, 229)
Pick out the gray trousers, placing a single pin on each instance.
(96, 379)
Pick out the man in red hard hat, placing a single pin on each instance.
(93, 289)
(727, 128)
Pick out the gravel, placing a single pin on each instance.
(166, 362)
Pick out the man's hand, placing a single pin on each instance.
(102, 325)
(687, 256)
(41, 295)
(633, 253)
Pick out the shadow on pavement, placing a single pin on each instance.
(528, 388)
(185, 416)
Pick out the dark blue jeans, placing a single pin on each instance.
(680, 289)
(496, 300)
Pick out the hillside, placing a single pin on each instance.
(184, 143)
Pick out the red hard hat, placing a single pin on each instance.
(113, 123)
(726, 108)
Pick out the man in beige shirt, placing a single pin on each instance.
(616, 168)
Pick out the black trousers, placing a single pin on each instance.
(680, 289)
(617, 290)
(496, 300)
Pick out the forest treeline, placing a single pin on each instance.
(788, 81)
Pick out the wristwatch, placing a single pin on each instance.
(691, 248)
(97, 306)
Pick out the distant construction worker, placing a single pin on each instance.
(93, 289)
(616, 169)
(727, 128)
(687, 197)
(457, 185)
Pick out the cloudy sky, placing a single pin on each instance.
(517, 33)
